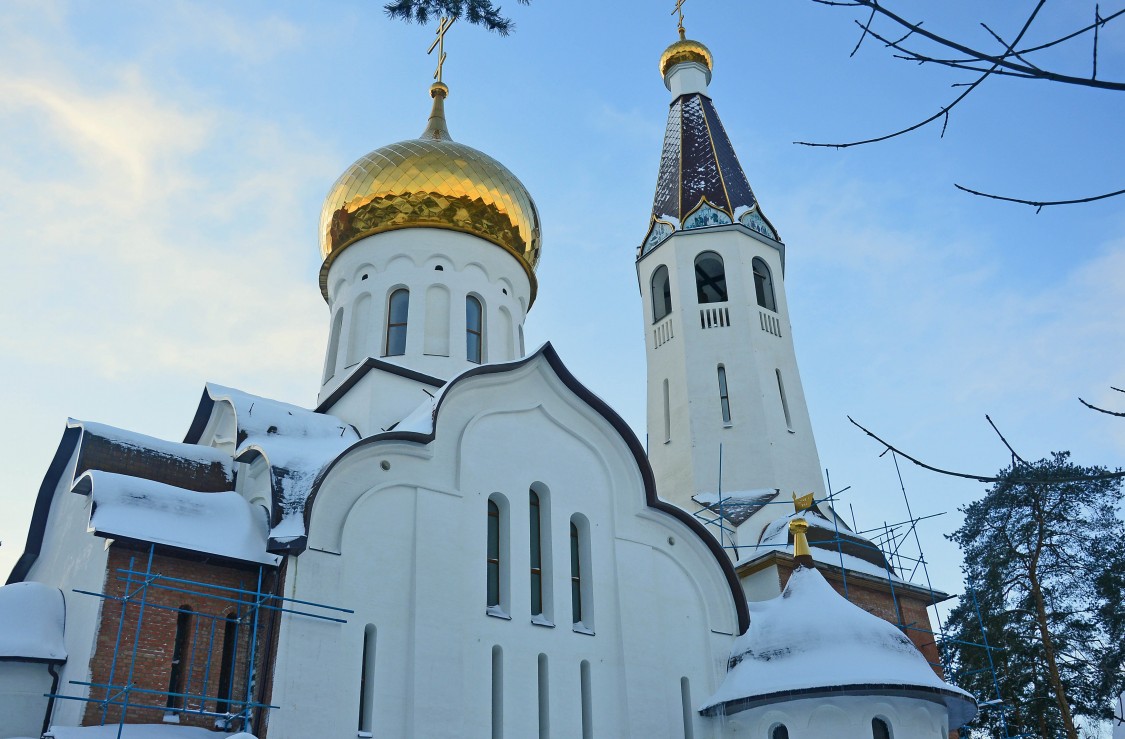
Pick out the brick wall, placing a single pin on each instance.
(203, 640)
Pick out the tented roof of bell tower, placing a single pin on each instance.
(698, 162)
(700, 182)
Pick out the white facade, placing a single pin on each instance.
(398, 533)
(767, 440)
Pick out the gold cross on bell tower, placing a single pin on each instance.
(439, 43)
(680, 9)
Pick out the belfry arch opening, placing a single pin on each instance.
(763, 285)
(710, 278)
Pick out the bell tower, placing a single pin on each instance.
(722, 370)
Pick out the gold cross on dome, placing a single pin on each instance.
(680, 9)
(439, 43)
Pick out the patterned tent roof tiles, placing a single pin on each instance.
(697, 162)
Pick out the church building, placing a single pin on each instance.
(460, 539)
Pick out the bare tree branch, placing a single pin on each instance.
(1003, 60)
(982, 478)
(1040, 204)
(1101, 410)
(944, 112)
(866, 28)
(1010, 449)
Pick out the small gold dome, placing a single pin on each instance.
(685, 50)
(430, 182)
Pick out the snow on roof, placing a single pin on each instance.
(31, 622)
(827, 543)
(739, 505)
(298, 444)
(222, 524)
(258, 415)
(810, 637)
(203, 455)
(139, 731)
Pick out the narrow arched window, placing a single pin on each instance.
(536, 522)
(575, 575)
(587, 700)
(358, 333)
(333, 345)
(493, 563)
(724, 397)
(880, 729)
(497, 692)
(779, 731)
(367, 682)
(710, 278)
(178, 673)
(667, 415)
(784, 401)
(763, 284)
(398, 311)
(687, 707)
(226, 662)
(661, 294)
(474, 330)
(544, 699)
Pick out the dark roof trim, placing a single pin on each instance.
(190, 555)
(36, 660)
(547, 351)
(43, 501)
(924, 692)
(202, 416)
(774, 556)
(371, 363)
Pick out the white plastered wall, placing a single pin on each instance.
(405, 547)
(410, 258)
(22, 701)
(73, 558)
(845, 717)
(759, 448)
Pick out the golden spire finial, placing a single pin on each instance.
(436, 127)
(680, 9)
(798, 527)
(443, 26)
(804, 503)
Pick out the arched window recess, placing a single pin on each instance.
(763, 285)
(474, 330)
(496, 558)
(661, 294)
(398, 313)
(710, 278)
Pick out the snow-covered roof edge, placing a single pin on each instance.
(547, 353)
(215, 524)
(297, 444)
(810, 641)
(32, 623)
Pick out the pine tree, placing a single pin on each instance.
(1045, 558)
(479, 12)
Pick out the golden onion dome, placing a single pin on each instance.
(685, 50)
(430, 182)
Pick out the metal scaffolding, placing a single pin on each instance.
(236, 625)
(901, 549)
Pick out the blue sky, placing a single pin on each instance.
(162, 167)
